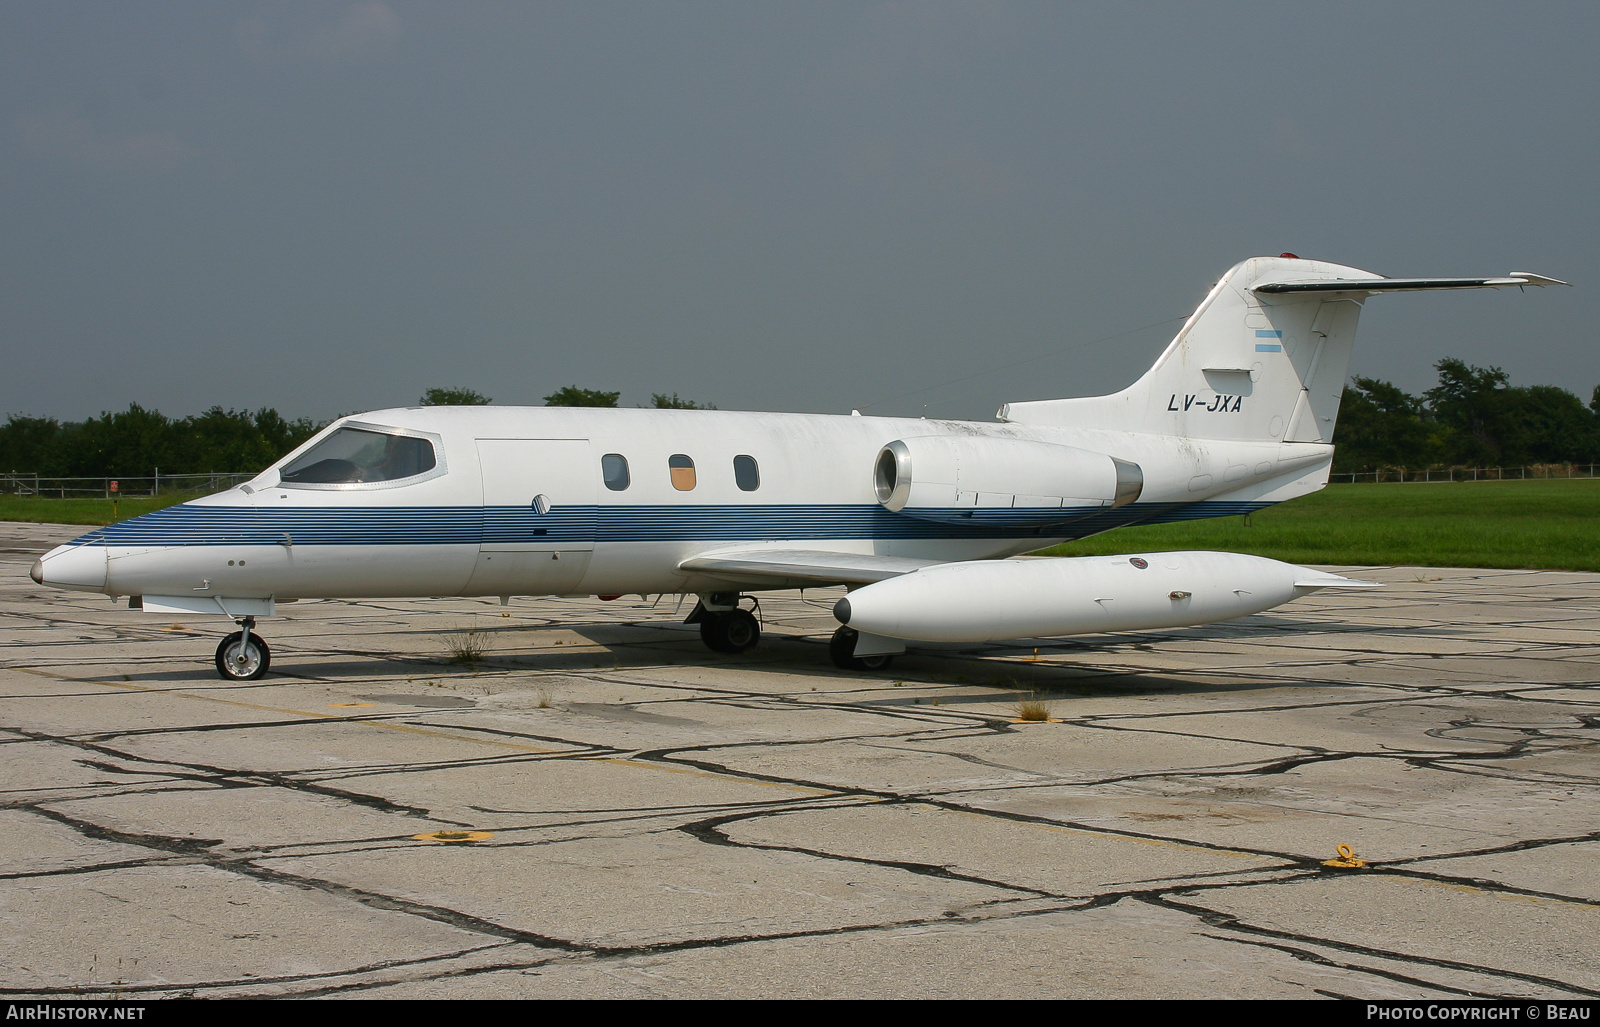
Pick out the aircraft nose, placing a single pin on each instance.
(72, 566)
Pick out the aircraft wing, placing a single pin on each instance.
(1375, 285)
(805, 564)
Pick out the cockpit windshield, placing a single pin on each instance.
(355, 455)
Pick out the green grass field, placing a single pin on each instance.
(45, 510)
(1546, 525)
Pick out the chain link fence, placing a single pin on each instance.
(15, 484)
(1536, 472)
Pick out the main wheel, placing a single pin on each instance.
(741, 630)
(241, 661)
(842, 650)
(732, 632)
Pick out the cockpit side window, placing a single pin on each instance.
(352, 456)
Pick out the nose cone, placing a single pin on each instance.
(79, 567)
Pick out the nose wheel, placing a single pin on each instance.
(842, 650)
(243, 655)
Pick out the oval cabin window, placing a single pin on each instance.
(614, 468)
(746, 473)
(682, 469)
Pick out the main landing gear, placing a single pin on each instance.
(243, 655)
(842, 650)
(725, 627)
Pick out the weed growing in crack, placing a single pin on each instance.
(465, 646)
(1031, 709)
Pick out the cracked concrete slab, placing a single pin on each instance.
(1128, 949)
(1544, 942)
(165, 930)
(660, 821)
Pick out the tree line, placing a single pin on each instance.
(137, 442)
(1474, 417)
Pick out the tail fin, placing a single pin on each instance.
(1263, 358)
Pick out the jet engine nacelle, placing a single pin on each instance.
(947, 478)
(988, 600)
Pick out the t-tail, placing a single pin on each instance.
(1263, 359)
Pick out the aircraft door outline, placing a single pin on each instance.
(539, 516)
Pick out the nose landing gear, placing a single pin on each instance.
(243, 655)
(842, 650)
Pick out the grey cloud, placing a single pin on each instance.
(365, 28)
(63, 134)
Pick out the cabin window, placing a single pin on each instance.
(614, 467)
(746, 473)
(682, 469)
(354, 455)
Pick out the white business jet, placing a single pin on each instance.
(914, 515)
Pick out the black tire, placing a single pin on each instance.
(740, 631)
(255, 661)
(842, 651)
(732, 632)
(711, 633)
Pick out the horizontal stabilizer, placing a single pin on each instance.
(1377, 285)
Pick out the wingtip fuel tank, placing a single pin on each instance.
(982, 601)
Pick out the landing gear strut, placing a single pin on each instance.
(243, 655)
(729, 629)
(842, 650)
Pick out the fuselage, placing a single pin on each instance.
(543, 500)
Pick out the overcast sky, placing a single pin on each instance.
(903, 207)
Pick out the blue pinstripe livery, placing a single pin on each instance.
(190, 525)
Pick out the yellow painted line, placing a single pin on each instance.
(1493, 893)
(454, 837)
(410, 729)
(695, 772)
(1115, 837)
(430, 732)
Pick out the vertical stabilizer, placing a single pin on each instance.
(1246, 366)
(1263, 359)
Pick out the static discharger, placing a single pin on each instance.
(454, 837)
(1346, 860)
